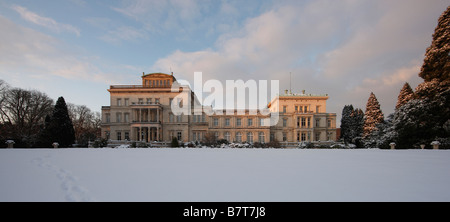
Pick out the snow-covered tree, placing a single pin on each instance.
(406, 94)
(345, 122)
(372, 116)
(427, 116)
(356, 127)
(436, 64)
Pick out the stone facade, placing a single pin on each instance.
(143, 113)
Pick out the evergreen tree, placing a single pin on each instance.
(373, 115)
(345, 122)
(60, 126)
(406, 94)
(174, 142)
(427, 117)
(356, 127)
(437, 60)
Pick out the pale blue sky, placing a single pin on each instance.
(77, 48)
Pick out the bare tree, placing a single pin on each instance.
(4, 87)
(85, 122)
(24, 111)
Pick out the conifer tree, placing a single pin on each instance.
(406, 94)
(345, 122)
(372, 116)
(426, 117)
(356, 126)
(436, 64)
(60, 126)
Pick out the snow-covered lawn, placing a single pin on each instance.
(196, 174)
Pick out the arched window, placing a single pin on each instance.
(261, 137)
(250, 137)
(238, 137)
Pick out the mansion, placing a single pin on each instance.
(143, 113)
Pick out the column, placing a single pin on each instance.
(157, 133)
(150, 138)
(157, 115)
(139, 115)
(132, 133)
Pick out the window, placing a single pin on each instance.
(329, 122)
(249, 122)
(306, 109)
(300, 109)
(250, 137)
(261, 122)
(227, 122)
(238, 137)
(118, 117)
(119, 135)
(317, 122)
(216, 136)
(127, 102)
(127, 135)
(170, 117)
(107, 134)
(329, 136)
(140, 101)
(194, 135)
(126, 117)
(303, 122)
(298, 136)
(238, 122)
(284, 137)
(261, 137)
(296, 109)
(119, 102)
(284, 109)
(227, 136)
(284, 122)
(309, 122)
(179, 118)
(179, 135)
(303, 136)
(215, 121)
(157, 101)
(203, 117)
(149, 101)
(318, 136)
(108, 117)
(272, 136)
(317, 109)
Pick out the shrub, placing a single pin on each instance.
(174, 142)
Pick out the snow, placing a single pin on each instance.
(223, 174)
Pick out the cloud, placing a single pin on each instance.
(346, 49)
(45, 21)
(34, 54)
